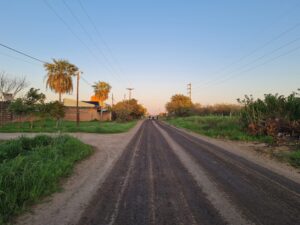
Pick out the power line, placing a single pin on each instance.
(22, 53)
(100, 36)
(31, 57)
(257, 59)
(259, 65)
(20, 59)
(267, 43)
(74, 34)
(109, 65)
(88, 83)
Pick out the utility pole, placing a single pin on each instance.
(112, 99)
(129, 94)
(189, 90)
(77, 100)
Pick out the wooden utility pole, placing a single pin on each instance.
(189, 90)
(129, 94)
(77, 100)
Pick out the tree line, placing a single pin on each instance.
(273, 115)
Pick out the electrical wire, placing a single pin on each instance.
(255, 60)
(110, 66)
(75, 35)
(101, 37)
(264, 45)
(256, 66)
(22, 53)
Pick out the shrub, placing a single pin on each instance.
(272, 115)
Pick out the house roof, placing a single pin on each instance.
(72, 103)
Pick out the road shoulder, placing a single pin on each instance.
(243, 150)
(66, 207)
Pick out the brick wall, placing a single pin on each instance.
(86, 114)
(5, 115)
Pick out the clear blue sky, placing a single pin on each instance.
(225, 48)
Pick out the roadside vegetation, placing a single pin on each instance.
(33, 114)
(224, 127)
(31, 168)
(128, 110)
(274, 119)
(69, 126)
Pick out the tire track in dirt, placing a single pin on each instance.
(108, 197)
(263, 196)
(157, 189)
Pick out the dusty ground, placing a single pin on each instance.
(66, 207)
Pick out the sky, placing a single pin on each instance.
(226, 49)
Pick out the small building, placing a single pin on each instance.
(88, 110)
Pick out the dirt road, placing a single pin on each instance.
(166, 176)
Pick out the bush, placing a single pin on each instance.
(272, 115)
(32, 167)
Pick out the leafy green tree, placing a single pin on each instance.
(59, 76)
(57, 111)
(18, 108)
(34, 99)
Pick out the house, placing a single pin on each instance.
(88, 110)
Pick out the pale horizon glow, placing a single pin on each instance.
(226, 49)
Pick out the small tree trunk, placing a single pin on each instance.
(59, 96)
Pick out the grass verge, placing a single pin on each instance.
(224, 127)
(69, 126)
(292, 157)
(31, 168)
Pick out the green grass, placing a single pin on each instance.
(223, 127)
(31, 168)
(69, 126)
(292, 157)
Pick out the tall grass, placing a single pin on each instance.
(218, 127)
(272, 115)
(69, 126)
(32, 167)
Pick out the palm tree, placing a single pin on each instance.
(101, 90)
(59, 76)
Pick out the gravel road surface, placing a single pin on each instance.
(167, 176)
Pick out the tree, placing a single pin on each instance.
(180, 105)
(33, 100)
(128, 110)
(10, 86)
(18, 108)
(57, 111)
(59, 76)
(101, 90)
